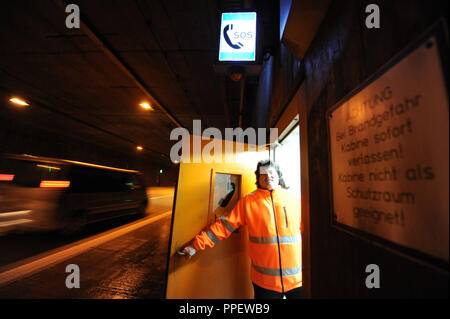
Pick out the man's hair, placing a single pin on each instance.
(269, 163)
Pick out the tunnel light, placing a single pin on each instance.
(6, 177)
(18, 101)
(160, 171)
(54, 184)
(146, 106)
(139, 148)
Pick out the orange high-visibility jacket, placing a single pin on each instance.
(273, 221)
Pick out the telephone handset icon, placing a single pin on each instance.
(227, 38)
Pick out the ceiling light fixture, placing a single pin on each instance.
(146, 106)
(139, 148)
(18, 101)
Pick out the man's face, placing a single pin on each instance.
(268, 178)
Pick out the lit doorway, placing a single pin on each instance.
(287, 154)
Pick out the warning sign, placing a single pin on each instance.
(390, 154)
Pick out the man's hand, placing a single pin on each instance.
(188, 251)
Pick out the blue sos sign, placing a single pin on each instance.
(238, 36)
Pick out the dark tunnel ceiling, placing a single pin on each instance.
(76, 88)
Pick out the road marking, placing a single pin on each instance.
(37, 263)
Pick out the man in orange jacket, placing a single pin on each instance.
(272, 216)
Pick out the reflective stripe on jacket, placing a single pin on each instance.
(273, 221)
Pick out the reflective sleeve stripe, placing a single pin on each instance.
(211, 236)
(276, 271)
(227, 224)
(273, 240)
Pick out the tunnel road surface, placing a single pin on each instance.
(124, 259)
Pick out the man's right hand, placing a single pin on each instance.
(188, 251)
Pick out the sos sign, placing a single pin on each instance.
(238, 36)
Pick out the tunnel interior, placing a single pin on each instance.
(349, 98)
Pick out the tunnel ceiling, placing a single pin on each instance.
(87, 83)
